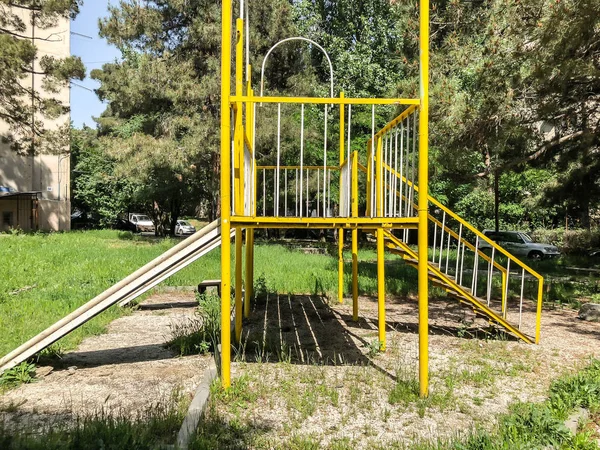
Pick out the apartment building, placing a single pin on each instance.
(35, 188)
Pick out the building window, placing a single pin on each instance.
(7, 218)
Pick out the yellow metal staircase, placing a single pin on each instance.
(450, 285)
(494, 283)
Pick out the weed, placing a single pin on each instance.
(22, 374)
(200, 334)
(374, 348)
(147, 429)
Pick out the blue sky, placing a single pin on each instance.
(94, 52)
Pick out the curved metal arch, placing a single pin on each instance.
(295, 38)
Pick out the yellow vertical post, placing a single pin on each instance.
(378, 178)
(249, 270)
(238, 174)
(249, 282)
(225, 193)
(355, 237)
(238, 284)
(341, 265)
(381, 288)
(423, 202)
(369, 178)
(503, 295)
(538, 318)
(340, 230)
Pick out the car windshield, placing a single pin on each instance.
(184, 223)
(144, 218)
(526, 238)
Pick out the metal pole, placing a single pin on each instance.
(277, 189)
(423, 204)
(225, 193)
(301, 152)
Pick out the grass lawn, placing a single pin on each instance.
(46, 276)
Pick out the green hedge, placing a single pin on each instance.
(570, 242)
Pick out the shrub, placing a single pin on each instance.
(570, 242)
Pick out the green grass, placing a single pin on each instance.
(150, 429)
(46, 276)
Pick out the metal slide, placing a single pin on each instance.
(128, 289)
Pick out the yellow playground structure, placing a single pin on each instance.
(378, 185)
(389, 175)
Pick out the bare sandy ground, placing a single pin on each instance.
(126, 370)
(315, 372)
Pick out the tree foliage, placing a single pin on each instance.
(25, 107)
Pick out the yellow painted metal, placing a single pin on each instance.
(437, 273)
(381, 288)
(340, 230)
(325, 222)
(354, 202)
(238, 284)
(341, 265)
(298, 167)
(342, 129)
(249, 284)
(329, 101)
(249, 275)
(423, 171)
(538, 318)
(504, 294)
(394, 122)
(239, 127)
(225, 193)
(369, 172)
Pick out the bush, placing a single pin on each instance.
(570, 242)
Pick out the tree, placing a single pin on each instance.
(97, 190)
(22, 106)
(163, 114)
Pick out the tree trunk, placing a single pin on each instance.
(496, 201)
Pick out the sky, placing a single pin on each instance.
(93, 52)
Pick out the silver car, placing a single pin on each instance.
(520, 244)
(183, 227)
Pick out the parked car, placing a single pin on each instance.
(141, 222)
(520, 244)
(183, 227)
(124, 225)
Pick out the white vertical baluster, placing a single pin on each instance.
(490, 275)
(278, 188)
(442, 240)
(301, 152)
(318, 193)
(264, 193)
(521, 301)
(504, 312)
(373, 206)
(448, 251)
(475, 268)
(402, 168)
(325, 165)
(307, 200)
(462, 263)
(458, 251)
(434, 241)
(285, 211)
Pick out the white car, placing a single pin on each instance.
(183, 227)
(141, 222)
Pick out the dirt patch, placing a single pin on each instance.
(126, 370)
(315, 374)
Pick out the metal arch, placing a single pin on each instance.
(295, 38)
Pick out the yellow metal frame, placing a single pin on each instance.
(242, 105)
